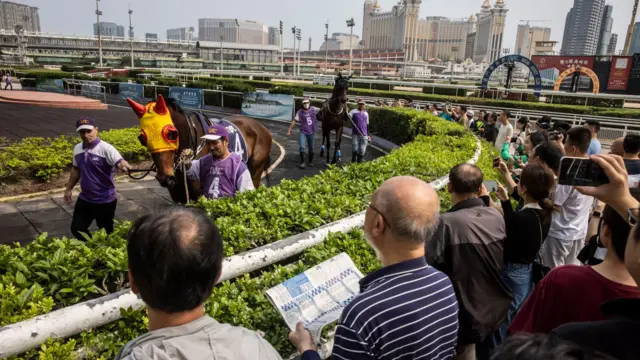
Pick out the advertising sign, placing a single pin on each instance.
(90, 88)
(270, 106)
(187, 97)
(620, 71)
(50, 85)
(134, 92)
(562, 63)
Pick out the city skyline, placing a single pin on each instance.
(159, 15)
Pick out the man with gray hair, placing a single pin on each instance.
(468, 247)
(407, 308)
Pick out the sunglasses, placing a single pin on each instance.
(367, 201)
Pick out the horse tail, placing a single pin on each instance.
(267, 165)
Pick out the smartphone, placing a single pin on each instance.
(491, 185)
(581, 172)
(496, 162)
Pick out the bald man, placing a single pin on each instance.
(616, 147)
(407, 308)
(468, 247)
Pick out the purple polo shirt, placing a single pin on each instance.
(308, 120)
(219, 178)
(96, 163)
(361, 121)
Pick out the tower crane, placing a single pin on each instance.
(627, 41)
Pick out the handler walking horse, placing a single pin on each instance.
(171, 135)
(334, 114)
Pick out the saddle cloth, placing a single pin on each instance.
(237, 143)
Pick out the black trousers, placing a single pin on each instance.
(85, 212)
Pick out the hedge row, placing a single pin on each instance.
(45, 158)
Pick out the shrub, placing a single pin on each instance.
(287, 90)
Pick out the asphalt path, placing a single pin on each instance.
(21, 221)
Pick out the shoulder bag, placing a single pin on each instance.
(538, 269)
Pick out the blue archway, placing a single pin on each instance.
(537, 84)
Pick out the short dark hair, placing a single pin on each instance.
(523, 346)
(537, 138)
(507, 112)
(466, 179)
(463, 108)
(594, 123)
(549, 153)
(175, 258)
(579, 137)
(561, 125)
(538, 180)
(631, 144)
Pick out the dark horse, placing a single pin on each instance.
(334, 114)
(167, 130)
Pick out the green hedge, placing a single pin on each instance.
(50, 273)
(287, 90)
(44, 158)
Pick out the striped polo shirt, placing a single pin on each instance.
(404, 311)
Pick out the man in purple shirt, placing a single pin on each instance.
(221, 172)
(308, 119)
(360, 131)
(93, 164)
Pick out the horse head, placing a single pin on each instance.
(160, 136)
(341, 87)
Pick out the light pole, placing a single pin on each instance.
(131, 36)
(299, 37)
(293, 30)
(281, 52)
(326, 46)
(98, 13)
(351, 23)
(361, 57)
(221, 49)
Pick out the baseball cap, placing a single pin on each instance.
(215, 132)
(470, 113)
(361, 101)
(305, 99)
(85, 124)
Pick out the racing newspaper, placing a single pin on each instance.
(317, 296)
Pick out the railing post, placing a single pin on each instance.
(222, 98)
(155, 92)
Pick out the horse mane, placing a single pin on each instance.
(173, 103)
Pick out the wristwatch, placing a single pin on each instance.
(596, 213)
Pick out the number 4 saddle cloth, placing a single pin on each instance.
(237, 143)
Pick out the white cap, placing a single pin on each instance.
(470, 113)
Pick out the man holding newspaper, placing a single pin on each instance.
(406, 304)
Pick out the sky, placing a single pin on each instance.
(156, 16)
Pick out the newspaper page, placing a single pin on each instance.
(317, 296)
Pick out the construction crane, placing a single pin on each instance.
(627, 41)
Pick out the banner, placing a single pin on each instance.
(90, 88)
(619, 74)
(269, 106)
(562, 63)
(50, 85)
(134, 92)
(187, 97)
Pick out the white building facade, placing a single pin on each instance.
(233, 31)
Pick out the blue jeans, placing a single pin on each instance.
(304, 140)
(359, 144)
(518, 278)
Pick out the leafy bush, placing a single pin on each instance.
(287, 90)
(44, 158)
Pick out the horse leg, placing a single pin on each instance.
(337, 154)
(322, 147)
(327, 137)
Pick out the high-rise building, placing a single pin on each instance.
(527, 37)
(151, 37)
(182, 34)
(370, 7)
(12, 14)
(582, 28)
(634, 47)
(109, 29)
(605, 30)
(613, 42)
(274, 35)
(490, 32)
(341, 41)
(471, 42)
(234, 31)
(309, 43)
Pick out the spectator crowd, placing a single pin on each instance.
(525, 269)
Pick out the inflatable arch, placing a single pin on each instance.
(582, 70)
(537, 84)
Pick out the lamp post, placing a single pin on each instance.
(98, 13)
(221, 49)
(351, 23)
(281, 51)
(326, 46)
(299, 37)
(361, 57)
(131, 36)
(293, 30)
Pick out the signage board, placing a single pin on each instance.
(134, 92)
(91, 88)
(186, 97)
(269, 106)
(50, 85)
(619, 74)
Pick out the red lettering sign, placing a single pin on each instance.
(619, 74)
(562, 62)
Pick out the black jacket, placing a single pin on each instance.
(526, 230)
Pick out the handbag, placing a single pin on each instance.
(538, 269)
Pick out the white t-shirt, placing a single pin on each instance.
(504, 132)
(572, 220)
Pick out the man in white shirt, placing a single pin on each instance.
(569, 224)
(505, 132)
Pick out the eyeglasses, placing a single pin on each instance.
(367, 201)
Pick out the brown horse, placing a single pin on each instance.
(167, 130)
(334, 114)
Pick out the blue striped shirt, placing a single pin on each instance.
(404, 311)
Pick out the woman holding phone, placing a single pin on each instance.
(526, 230)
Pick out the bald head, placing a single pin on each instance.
(410, 205)
(617, 147)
